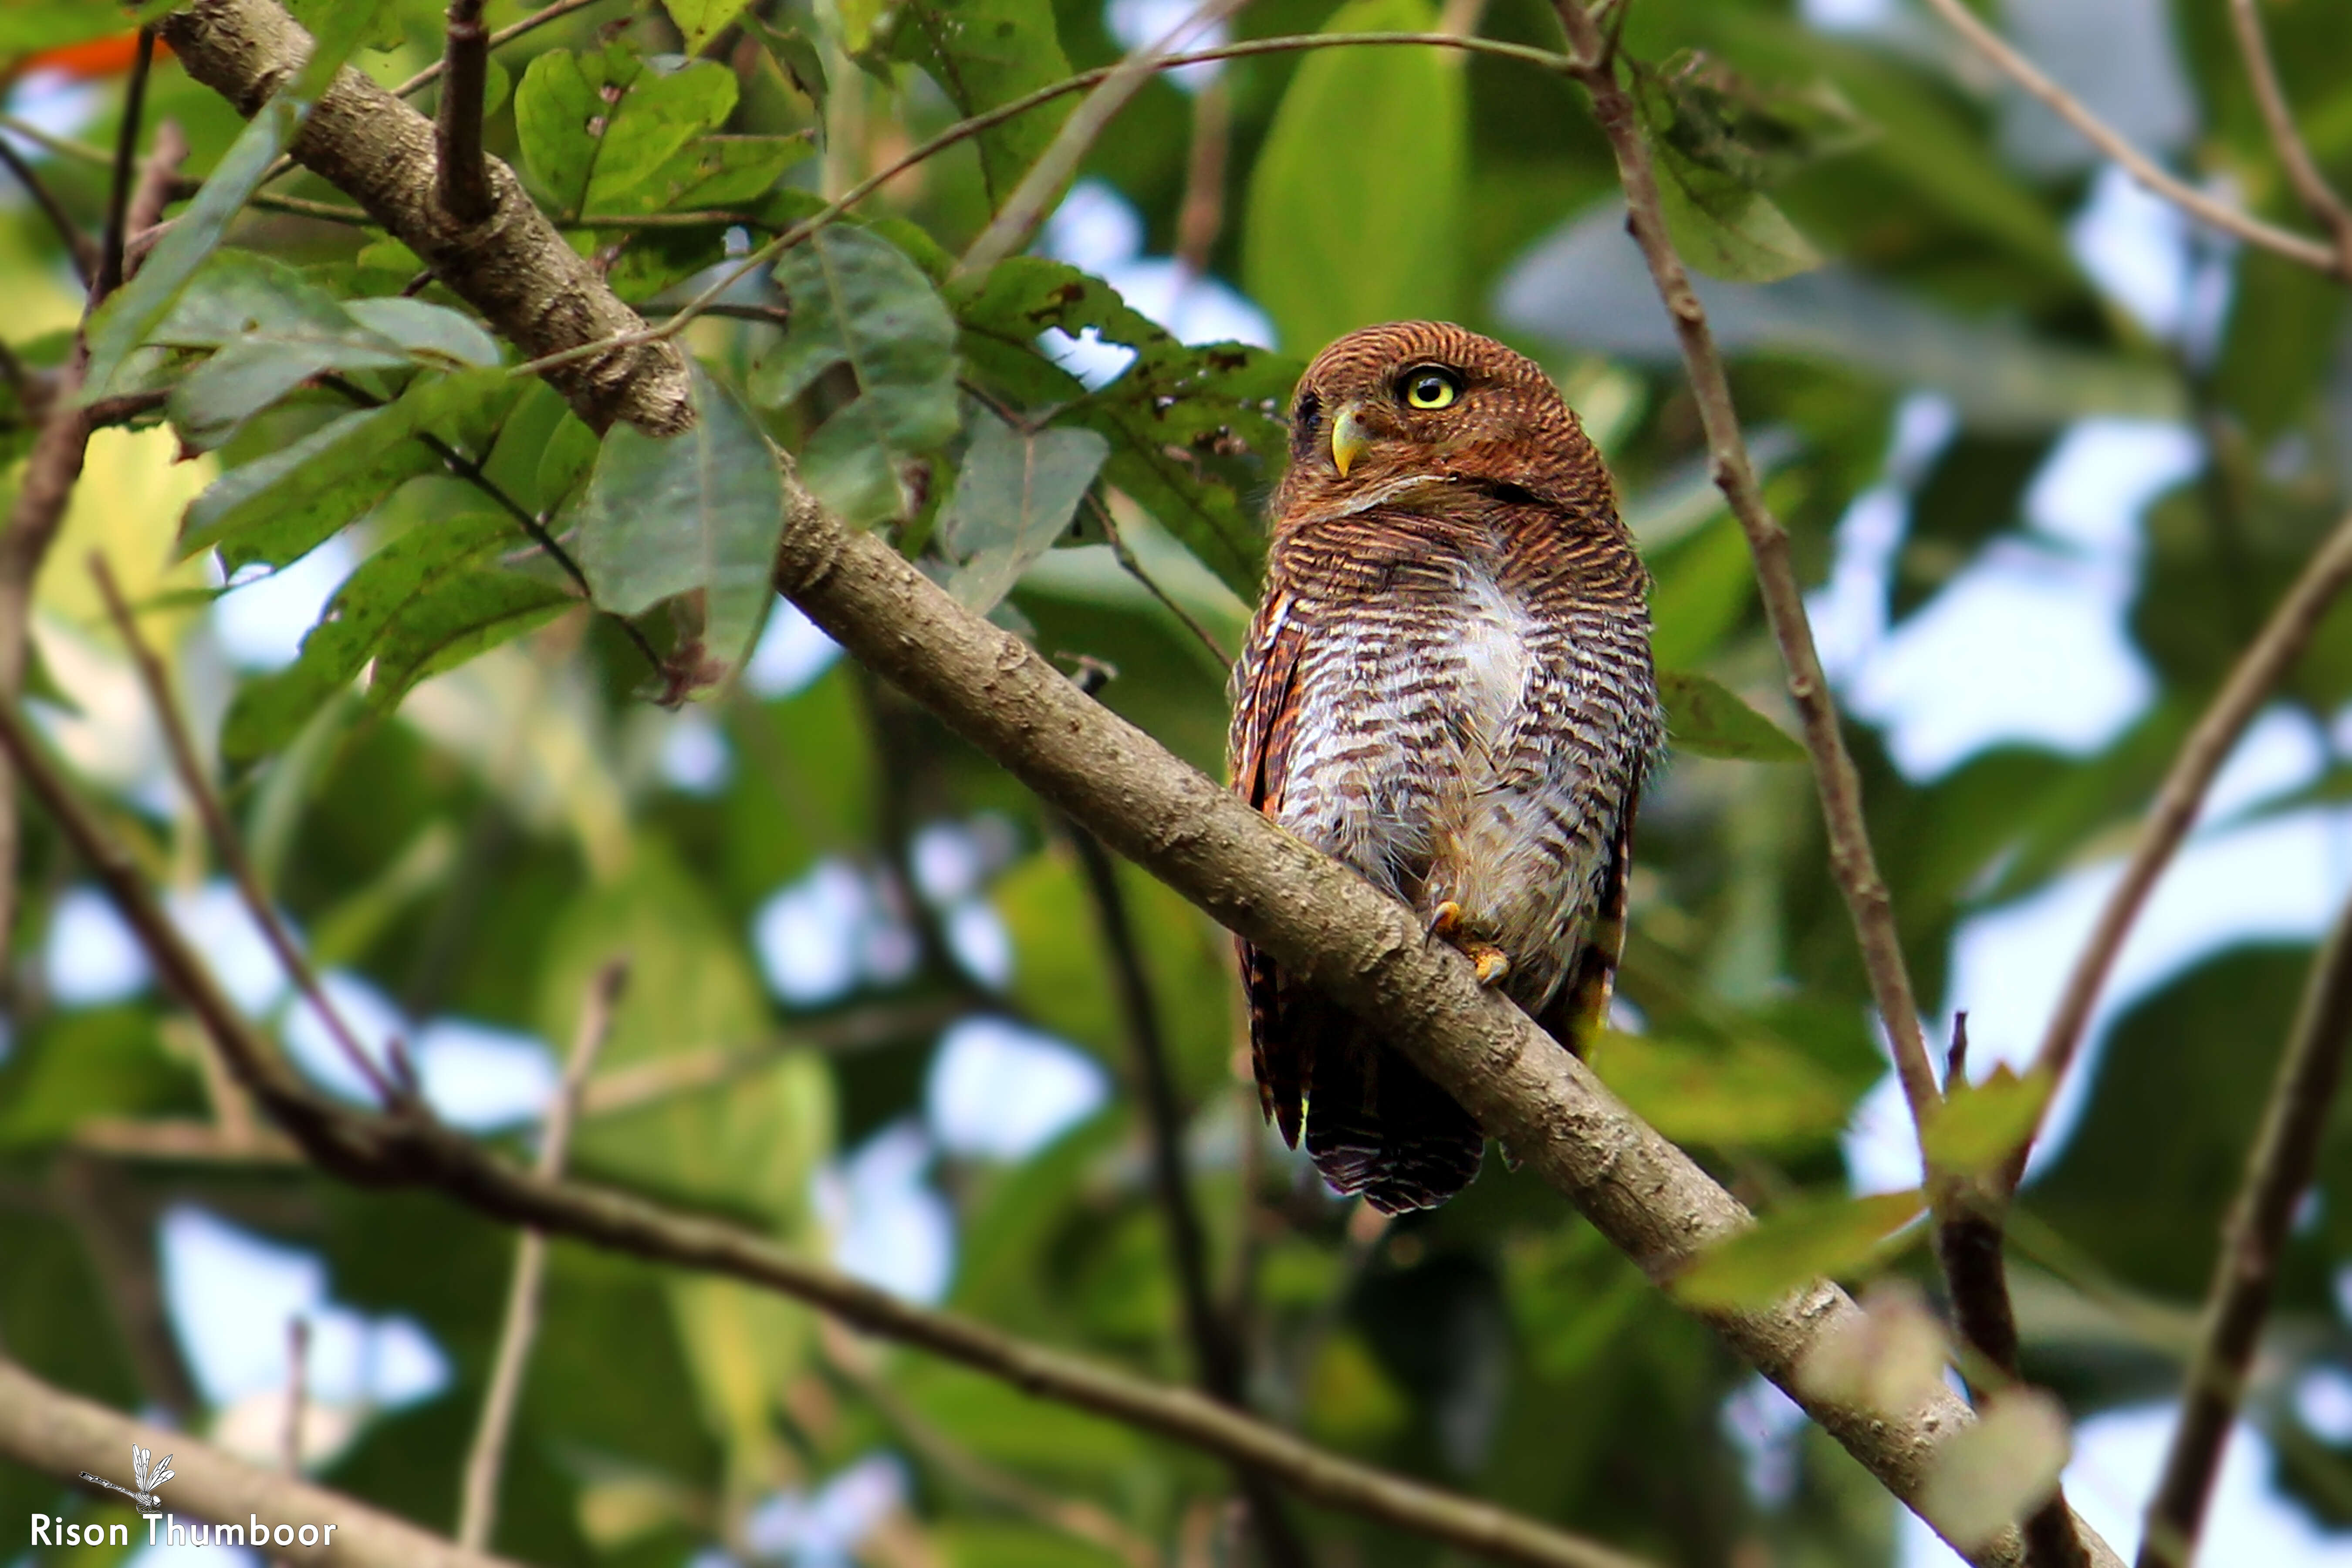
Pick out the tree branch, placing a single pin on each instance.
(2319, 198)
(2134, 163)
(1216, 1355)
(517, 271)
(461, 164)
(81, 249)
(226, 848)
(2266, 659)
(2278, 1171)
(477, 1509)
(407, 1147)
(62, 1435)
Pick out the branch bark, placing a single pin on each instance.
(2278, 1171)
(407, 1147)
(63, 1435)
(465, 189)
(513, 267)
(2318, 197)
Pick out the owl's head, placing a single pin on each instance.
(1411, 412)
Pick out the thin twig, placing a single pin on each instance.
(81, 248)
(2134, 163)
(226, 847)
(1016, 221)
(2259, 669)
(1202, 217)
(1217, 1359)
(1852, 861)
(408, 1148)
(2278, 1171)
(2319, 198)
(297, 1391)
(462, 178)
(499, 39)
(963, 130)
(478, 1511)
(126, 151)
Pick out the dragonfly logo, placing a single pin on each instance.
(145, 1476)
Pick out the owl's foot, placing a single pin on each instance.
(1493, 964)
(1445, 924)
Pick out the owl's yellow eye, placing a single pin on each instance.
(1431, 386)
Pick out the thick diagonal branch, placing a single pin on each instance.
(513, 267)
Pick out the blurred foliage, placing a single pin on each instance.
(464, 793)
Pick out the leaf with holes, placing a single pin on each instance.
(1792, 1246)
(598, 131)
(699, 21)
(1014, 497)
(858, 303)
(1706, 719)
(1196, 432)
(270, 711)
(699, 513)
(984, 53)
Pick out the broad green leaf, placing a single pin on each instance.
(1717, 141)
(599, 132)
(1702, 586)
(858, 301)
(699, 21)
(1195, 432)
(1814, 1239)
(1724, 230)
(235, 293)
(282, 506)
(1987, 1476)
(697, 513)
(1356, 202)
(128, 320)
(984, 53)
(1706, 719)
(270, 711)
(1756, 1094)
(1977, 1126)
(1014, 496)
(1716, 116)
(432, 334)
(245, 377)
(796, 56)
(466, 616)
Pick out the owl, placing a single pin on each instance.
(1447, 687)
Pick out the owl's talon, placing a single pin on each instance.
(1492, 963)
(1445, 920)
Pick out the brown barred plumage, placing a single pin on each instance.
(1448, 687)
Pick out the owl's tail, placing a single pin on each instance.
(1376, 1125)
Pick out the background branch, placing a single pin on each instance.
(465, 177)
(2257, 671)
(2134, 161)
(478, 1507)
(406, 1146)
(2318, 197)
(2278, 1173)
(63, 1433)
(81, 249)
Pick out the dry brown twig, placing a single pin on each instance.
(2311, 187)
(478, 1507)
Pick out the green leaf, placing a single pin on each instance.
(1014, 497)
(858, 301)
(1724, 230)
(984, 53)
(699, 21)
(280, 507)
(246, 377)
(1195, 432)
(1716, 143)
(270, 711)
(1977, 1126)
(599, 132)
(466, 616)
(1756, 1094)
(1355, 205)
(796, 55)
(1792, 1246)
(1718, 118)
(127, 320)
(1706, 719)
(697, 513)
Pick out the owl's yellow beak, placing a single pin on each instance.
(1348, 439)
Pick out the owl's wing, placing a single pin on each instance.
(1265, 719)
(1579, 1010)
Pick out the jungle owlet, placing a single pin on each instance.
(1448, 688)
